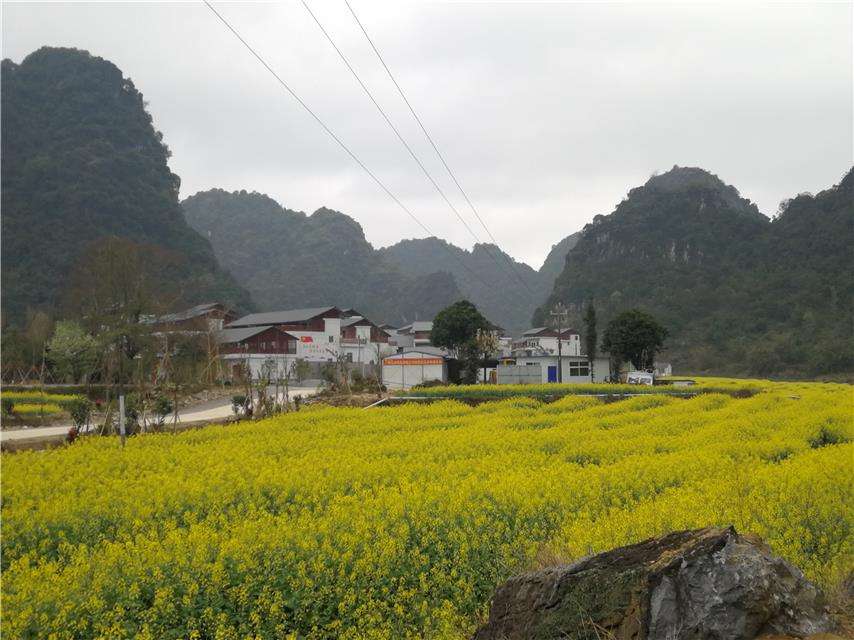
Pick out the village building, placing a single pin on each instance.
(416, 334)
(317, 335)
(544, 341)
(210, 316)
(543, 368)
(362, 341)
(254, 348)
(414, 366)
(535, 360)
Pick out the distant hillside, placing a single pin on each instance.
(740, 293)
(556, 259)
(81, 161)
(485, 275)
(289, 259)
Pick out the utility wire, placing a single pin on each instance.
(387, 119)
(332, 134)
(430, 139)
(400, 137)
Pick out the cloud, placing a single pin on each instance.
(548, 113)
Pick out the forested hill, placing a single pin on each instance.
(504, 290)
(556, 258)
(740, 293)
(81, 161)
(289, 259)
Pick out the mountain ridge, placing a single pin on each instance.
(82, 161)
(292, 259)
(723, 277)
(483, 274)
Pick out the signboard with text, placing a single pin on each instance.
(412, 361)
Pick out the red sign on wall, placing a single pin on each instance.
(412, 361)
(306, 339)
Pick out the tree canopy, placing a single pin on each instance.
(634, 336)
(456, 327)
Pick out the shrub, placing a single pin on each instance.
(162, 407)
(238, 404)
(8, 406)
(80, 411)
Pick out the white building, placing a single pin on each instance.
(544, 369)
(544, 341)
(414, 366)
(315, 335)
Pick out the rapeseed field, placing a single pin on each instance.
(400, 522)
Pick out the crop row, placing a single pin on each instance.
(399, 523)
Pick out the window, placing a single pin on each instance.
(578, 368)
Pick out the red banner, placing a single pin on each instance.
(412, 361)
(306, 339)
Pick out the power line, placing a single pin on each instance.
(430, 139)
(332, 134)
(401, 138)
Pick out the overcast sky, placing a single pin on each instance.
(548, 113)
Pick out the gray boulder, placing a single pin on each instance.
(707, 584)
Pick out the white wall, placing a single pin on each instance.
(599, 374)
(404, 376)
(368, 352)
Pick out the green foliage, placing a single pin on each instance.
(456, 329)
(82, 160)
(326, 256)
(40, 397)
(238, 403)
(634, 336)
(504, 294)
(456, 326)
(161, 408)
(301, 369)
(72, 352)
(739, 293)
(80, 411)
(8, 406)
(590, 335)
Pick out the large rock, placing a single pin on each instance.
(707, 584)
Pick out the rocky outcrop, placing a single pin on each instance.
(707, 584)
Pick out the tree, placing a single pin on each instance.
(487, 344)
(456, 328)
(72, 352)
(634, 336)
(590, 336)
(112, 288)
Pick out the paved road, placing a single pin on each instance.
(211, 410)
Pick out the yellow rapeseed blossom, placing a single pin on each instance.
(400, 522)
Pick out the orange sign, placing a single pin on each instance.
(412, 361)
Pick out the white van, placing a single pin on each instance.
(640, 377)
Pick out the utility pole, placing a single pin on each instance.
(559, 312)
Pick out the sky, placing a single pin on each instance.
(547, 113)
